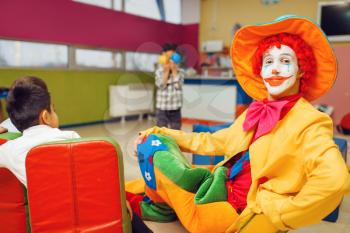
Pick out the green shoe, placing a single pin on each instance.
(157, 212)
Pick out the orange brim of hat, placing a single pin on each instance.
(246, 42)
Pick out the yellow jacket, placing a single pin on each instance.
(307, 176)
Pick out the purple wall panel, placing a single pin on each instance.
(68, 22)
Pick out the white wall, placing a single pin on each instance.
(190, 11)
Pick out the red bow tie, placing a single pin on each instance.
(263, 115)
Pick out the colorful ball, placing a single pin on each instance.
(163, 59)
(176, 58)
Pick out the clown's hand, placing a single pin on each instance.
(138, 141)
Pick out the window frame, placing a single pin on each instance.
(73, 64)
(37, 67)
(136, 70)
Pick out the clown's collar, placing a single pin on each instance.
(264, 115)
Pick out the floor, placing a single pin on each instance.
(125, 134)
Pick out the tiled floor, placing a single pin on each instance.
(125, 133)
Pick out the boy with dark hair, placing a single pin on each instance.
(31, 111)
(169, 79)
(169, 47)
(29, 104)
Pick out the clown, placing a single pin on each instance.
(282, 169)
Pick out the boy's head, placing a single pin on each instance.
(169, 49)
(29, 104)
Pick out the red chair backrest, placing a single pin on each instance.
(12, 202)
(77, 186)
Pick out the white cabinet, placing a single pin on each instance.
(132, 99)
(209, 102)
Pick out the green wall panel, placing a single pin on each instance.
(78, 96)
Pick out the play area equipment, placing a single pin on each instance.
(344, 126)
(73, 185)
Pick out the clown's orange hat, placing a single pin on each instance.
(246, 42)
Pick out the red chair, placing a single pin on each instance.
(12, 198)
(77, 186)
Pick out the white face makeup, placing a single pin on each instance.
(279, 70)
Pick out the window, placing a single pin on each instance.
(98, 58)
(145, 8)
(172, 10)
(141, 61)
(29, 54)
(100, 3)
(117, 5)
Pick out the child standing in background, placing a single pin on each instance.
(169, 79)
